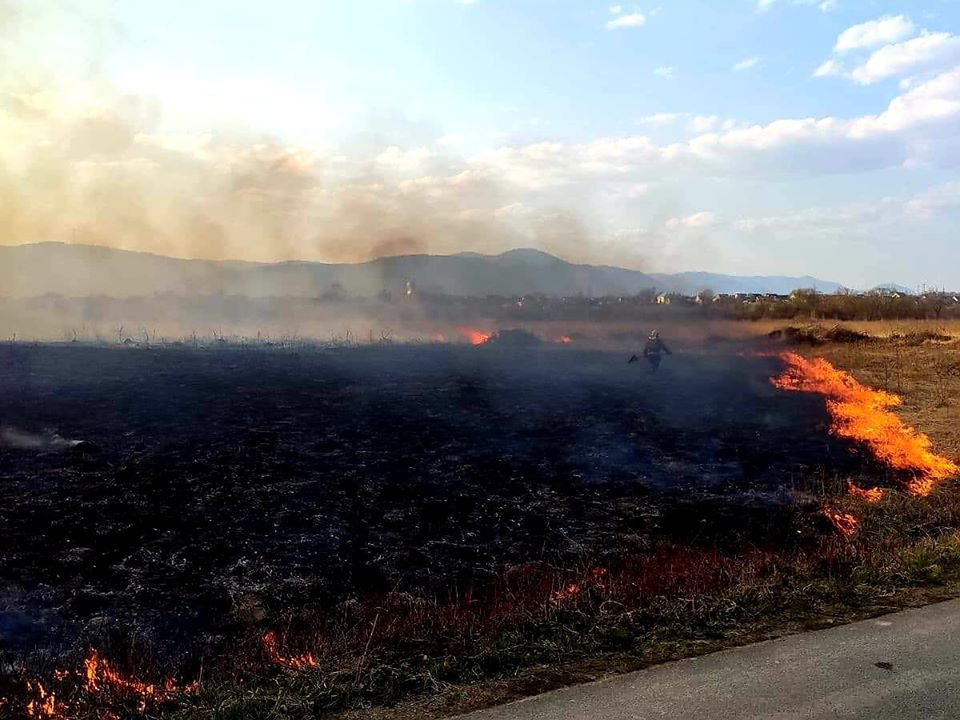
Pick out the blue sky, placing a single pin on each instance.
(741, 136)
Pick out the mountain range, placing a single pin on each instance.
(86, 270)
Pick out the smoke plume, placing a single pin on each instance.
(82, 161)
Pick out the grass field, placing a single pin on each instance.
(907, 552)
(290, 446)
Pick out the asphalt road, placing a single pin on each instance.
(826, 674)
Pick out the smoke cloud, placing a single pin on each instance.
(81, 161)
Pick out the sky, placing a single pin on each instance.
(788, 137)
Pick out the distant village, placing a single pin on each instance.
(405, 302)
(880, 303)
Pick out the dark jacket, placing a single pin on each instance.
(655, 346)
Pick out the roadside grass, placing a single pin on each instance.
(406, 657)
(677, 603)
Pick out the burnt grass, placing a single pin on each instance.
(217, 488)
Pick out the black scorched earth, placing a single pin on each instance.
(164, 491)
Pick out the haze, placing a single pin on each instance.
(791, 137)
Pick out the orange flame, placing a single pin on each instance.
(594, 579)
(872, 495)
(99, 679)
(862, 413)
(474, 336)
(101, 676)
(45, 704)
(565, 593)
(845, 523)
(297, 662)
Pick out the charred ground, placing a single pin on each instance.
(216, 484)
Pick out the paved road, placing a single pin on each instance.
(818, 675)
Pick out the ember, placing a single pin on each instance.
(565, 593)
(862, 413)
(845, 523)
(871, 495)
(594, 579)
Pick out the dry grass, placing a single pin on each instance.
(925, 376)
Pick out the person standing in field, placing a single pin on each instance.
(653, 351)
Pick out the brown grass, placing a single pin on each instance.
(925, 376)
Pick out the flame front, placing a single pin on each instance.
(297, 662)
(101, 680)
(44, 704)
(861, 413)
(474, 336)
(100, 676)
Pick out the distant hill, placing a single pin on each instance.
(891, 288)
(85, 270)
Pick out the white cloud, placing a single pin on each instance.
(660, 119)
(935, 200)
(406, 162)
(633, 20)
(704, 123)
(820, 221)
(882, 31)
(895, 50)
(451, 140)
(909, 56)
(616, 9)
(828, 68)
(697, 220)
(824, 6)
(923, 107)
(511, 210)
(630, 191)
(862, 220)
(746, 63)
(921, 125)
(665, 71)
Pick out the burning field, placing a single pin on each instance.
(179, 519)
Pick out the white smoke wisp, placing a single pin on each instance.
(16, 439)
